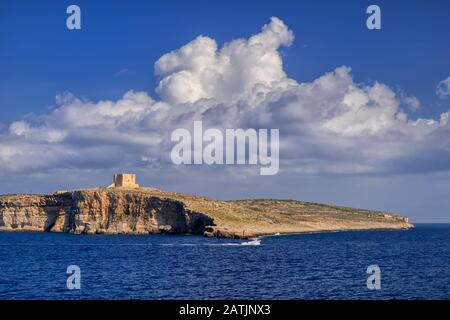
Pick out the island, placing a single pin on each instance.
(124, 207)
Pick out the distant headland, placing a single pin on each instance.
(126, 208)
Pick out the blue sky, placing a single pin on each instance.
(379, 156)
(40, 57)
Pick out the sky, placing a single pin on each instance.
(363, 114)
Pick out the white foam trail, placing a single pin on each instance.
(255, 242)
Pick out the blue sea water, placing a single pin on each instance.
(414, 264)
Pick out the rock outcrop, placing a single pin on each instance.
(100, 211)
(149, 211)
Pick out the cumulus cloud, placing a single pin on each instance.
(199, 70)
(443, 88)
(329, 125)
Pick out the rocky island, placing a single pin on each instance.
(126, 208)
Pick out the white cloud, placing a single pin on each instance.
(410, 102)
(199, 70)
(43, 134)
(329, 125)
(443, 88)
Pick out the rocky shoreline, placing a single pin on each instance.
(151, 211)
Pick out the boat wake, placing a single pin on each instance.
(255, 242)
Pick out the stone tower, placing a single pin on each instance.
(124, 180)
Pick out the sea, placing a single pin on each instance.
(412, 264)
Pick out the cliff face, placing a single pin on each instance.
(99, 211)
(144, 211)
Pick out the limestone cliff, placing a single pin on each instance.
(99, 211)
(145, 211)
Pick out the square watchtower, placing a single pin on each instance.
(124, 180)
